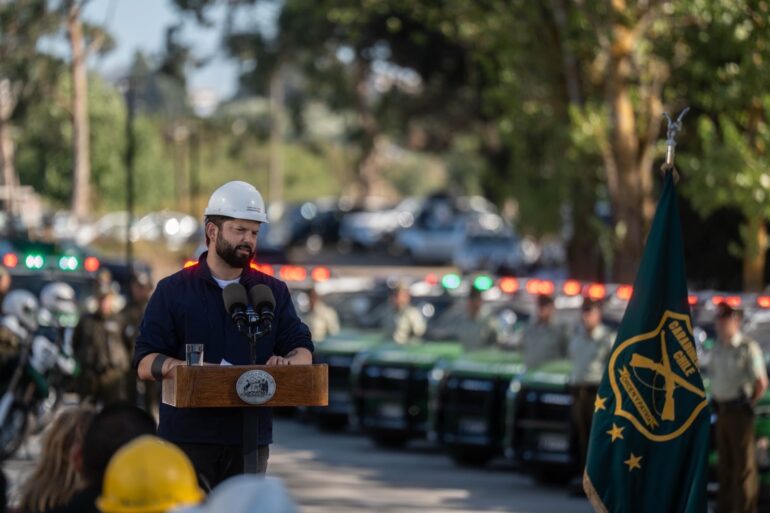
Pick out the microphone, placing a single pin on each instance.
(236, 303)
(263, 301)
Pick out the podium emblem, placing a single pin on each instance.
(255, 387)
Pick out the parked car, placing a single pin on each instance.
(375, 228)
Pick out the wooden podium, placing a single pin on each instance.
(249, 387)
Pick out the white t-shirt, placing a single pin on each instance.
(225, 283)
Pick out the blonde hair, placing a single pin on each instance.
(54, 480)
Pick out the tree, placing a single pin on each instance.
(24, 73)
(727, 162)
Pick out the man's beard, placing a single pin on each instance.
(230, 254)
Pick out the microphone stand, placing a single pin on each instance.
(253, 332)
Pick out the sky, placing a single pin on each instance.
(141, 25)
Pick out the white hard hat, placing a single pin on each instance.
(59, 298)
(247, 494)
(238, 200)
(23, 305)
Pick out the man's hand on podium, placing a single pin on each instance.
(299, 356)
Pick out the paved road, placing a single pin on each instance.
(345, 473)
(341, 473)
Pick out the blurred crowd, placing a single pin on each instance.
(110, 461)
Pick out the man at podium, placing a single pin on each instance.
(188, 308)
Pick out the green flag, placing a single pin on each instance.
(650, 434)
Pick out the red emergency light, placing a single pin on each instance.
(293, 273)
(263, 268)
(763, 301)
(540, 287)
(692, 300)
(624, 292)
(508, 285)
(321, 274)
(571, 288)
(10, 260)
(733, 301)
(596, 291)
(91, 264)
(431, 279)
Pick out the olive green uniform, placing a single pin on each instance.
(104, 359)
(589, 353)
(475, 333)
(322, 321)
(404, 326)
(734, 369)
(542, 343)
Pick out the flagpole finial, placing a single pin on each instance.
(674, 127)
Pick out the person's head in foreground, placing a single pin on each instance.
(54, 480)
(545, 308)
(149, 475)
(247, 494)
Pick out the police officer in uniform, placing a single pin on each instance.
(140, 289)
(738, 380)
(589, 351)
(403, 323)
(101, 352)
(474, 329)
(321, 318)
(542, 340)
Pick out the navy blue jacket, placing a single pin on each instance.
(187, 308)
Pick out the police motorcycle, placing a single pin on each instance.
(59, 314)
(26, 391)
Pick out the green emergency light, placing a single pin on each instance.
(68, 263)
(483, 282)
(34, 261)
(451, 281)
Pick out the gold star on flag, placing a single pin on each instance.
(633, 462)
(599, 403)
(616, 432)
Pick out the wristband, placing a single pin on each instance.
(157, 367)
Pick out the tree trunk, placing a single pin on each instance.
(81, 165)
(629, 191)
(368, 162)
(755, 251)
(7, 146)
(276, 136)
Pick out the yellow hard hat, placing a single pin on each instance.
(148, 475)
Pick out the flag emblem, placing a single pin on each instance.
(660, 395)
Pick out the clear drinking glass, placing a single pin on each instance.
(194, 354)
